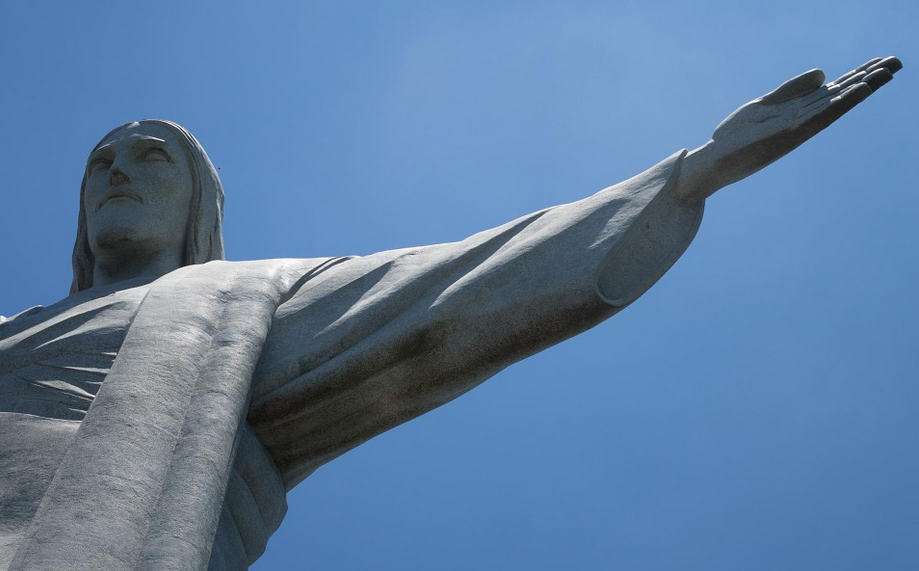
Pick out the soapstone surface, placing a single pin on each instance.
(156, 417)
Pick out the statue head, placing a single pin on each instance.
(183, 209)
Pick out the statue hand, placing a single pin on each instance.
(768, 128)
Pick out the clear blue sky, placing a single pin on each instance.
(757, 409)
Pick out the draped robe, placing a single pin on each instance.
(159, 425)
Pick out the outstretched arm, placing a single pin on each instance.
(376, 341)
(768, 128)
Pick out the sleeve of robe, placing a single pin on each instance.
(375, 341)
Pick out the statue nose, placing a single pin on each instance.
(117, 176)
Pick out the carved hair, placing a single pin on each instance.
(204, 233)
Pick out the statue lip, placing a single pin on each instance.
(120, 193)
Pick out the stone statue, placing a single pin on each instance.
(156, 417)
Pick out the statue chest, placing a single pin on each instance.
(52, 362)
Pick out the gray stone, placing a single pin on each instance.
(156, 418)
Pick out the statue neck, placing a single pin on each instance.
(110, 270)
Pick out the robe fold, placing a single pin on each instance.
(169, 418)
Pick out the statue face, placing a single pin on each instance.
(138, 193)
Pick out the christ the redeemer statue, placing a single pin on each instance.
(156, 417)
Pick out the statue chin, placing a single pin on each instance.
(110, 239)
(118, 228)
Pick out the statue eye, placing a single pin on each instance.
(155, 154)
(99, 163)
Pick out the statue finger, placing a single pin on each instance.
(892, 63)
(879, 77)
(831, 90)
(816, 97)
(875, 80)
(798, 86)
(821, 116)
(855, 78)
(859, 69)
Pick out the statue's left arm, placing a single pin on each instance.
(372, 342)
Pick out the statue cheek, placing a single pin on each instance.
(170, 205)
(173, 187)
(91, 196)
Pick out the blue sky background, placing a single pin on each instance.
(757, 409)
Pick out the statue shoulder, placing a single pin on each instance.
(289, 272)
(31, 311)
